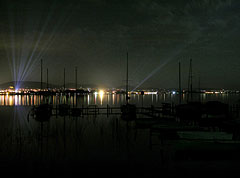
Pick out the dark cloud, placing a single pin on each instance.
(95, 35)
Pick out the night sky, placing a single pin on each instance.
(95, 36)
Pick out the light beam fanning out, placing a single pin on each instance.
(26, 45)
(170, 58)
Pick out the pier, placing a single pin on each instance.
(151, 111)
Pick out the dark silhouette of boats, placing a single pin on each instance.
(63, 109)
(46, 93)
(214, 114)
(200, 119)
(66, 110)
(76, 112)
(128, 112)
(81, 92)
(209, 114)
(42, 113)
(190, 112)
(77, 91)
(232, 126)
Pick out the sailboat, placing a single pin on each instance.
(43, 111)
(190, 111)
(210, 113)
(128, 110)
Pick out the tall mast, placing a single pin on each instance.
(180, 88)
(190, 79)
(41, 74)
(64, 79)
(47, 78)
(76, 78)
(199, 88)
(127, 82)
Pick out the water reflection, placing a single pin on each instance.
(110, 99)
(101, 98)
(95, 98)
(87, 140)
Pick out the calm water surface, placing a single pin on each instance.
(90, 144)
(113, 99)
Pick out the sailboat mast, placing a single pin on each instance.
(64, 79)
(47, 78)
(180, 88)
(199, 88)
(76, 78)
(190, 79)
(127, 82)
(41, 74)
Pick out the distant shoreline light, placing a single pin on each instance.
(18, 91)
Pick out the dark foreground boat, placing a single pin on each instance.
(128, 112)
(42, 113)
(209, 114)
(63, 109)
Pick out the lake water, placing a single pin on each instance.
(113, 99)
(93, 145)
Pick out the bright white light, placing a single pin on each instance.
(173, 92)
(150, 93)
(101, 92)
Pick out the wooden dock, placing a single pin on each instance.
(151, 111)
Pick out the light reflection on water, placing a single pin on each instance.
(111, 99)
(83, 139)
